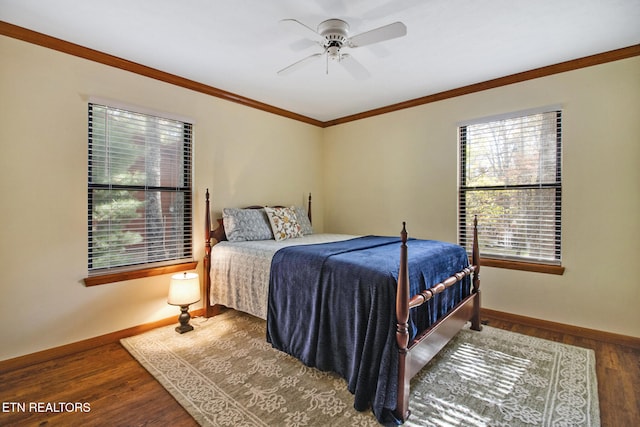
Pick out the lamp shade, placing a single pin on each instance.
(184, 289)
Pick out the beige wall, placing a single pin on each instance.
(403, 166)
(366, 177)
(241, 154)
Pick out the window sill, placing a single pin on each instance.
(138, 274)
(523, 266)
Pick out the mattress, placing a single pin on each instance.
(240, 270)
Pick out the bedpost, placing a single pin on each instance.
(475, 260)
(207, 257)
(309, 209)
(402, 331)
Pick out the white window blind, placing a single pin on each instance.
(510, 177)
(139, 190)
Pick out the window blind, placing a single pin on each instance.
(510, 176)
(139, 190)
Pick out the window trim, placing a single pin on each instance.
(522, 265)
(135, 271)
(101, 279)
(508, 263)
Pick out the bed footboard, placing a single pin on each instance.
(412, 358)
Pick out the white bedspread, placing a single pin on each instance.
(240, 270)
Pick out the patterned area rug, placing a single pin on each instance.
(224, 373)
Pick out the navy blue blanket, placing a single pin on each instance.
(332, 306)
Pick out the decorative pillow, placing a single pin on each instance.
(246, 224)
(303, 220)
(284, 223)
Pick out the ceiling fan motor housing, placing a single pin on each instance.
(336, 33)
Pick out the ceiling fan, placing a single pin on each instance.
(332, 36)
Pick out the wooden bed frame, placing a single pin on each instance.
(414, 355)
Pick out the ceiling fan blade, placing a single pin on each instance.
(387, 32)
(301, 29)
(299, 64)
(302, 44)
(353, 67)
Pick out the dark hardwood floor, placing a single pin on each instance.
(119, 392)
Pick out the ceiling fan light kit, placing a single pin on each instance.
(333, 35)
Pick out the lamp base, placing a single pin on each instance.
(184, 320)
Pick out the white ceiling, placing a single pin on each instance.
(239, 45)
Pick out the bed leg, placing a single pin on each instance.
(475, 319)
(402, 409)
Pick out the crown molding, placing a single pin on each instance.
(575, 64)
(63, 46)
(44, 40)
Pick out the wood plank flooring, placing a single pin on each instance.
(120, 392)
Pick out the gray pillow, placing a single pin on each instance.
(246, 224)
(303, 220)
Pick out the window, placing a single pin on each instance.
(510, 177)
(139, 190)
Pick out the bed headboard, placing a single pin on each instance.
(218, 233)
(220, 236)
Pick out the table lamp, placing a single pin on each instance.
(183, 291)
